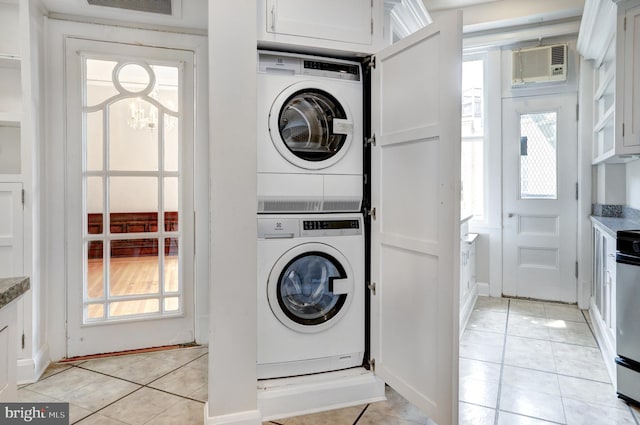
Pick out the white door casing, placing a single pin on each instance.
(539, 232)
(84, 337)
(415, 250)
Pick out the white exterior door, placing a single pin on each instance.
(539, 197)
(130, 206)
(415, 252)
(11, 231)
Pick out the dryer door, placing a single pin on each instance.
(311, 127)
(310, 287)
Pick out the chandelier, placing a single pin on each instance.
(143, 114)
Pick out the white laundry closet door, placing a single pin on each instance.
(415, 249)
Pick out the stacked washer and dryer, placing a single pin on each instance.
(310, 228)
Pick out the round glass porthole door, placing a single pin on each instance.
(309, 290)
(310, 127)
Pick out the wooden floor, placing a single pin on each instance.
(132, 276)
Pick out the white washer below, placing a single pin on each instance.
(310, 294)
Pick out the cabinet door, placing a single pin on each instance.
(631, 136)
(11, 239)
(415, 235)
(339, 20)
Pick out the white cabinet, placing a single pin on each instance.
(608, 37)
(349, 22)
(359, 27)
(468, 285)
(603, 294)
(10, 93)
(8, 352)
(630, 53)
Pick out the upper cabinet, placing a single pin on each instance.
(608, 37)
(355, 27)
(10, 93)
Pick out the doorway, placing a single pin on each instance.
(540, 197)
(130, 184)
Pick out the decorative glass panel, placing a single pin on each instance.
(538, 156)
(132, 180)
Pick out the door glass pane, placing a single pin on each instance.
(99, 85)
(95, 270)
(95, 311)
(134, 308)
(95, 136)
(171, 199)
(134, 267)
(171, 265)
(133, 145)
(538, 156)
(133, 204)
(94, 200)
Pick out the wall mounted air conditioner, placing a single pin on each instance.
(539, 64)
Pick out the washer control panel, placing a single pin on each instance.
(279, 228)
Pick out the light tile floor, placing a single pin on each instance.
(521, 363)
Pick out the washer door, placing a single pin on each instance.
(310, 287)
(311, 127)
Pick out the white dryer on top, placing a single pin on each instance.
(310, 138)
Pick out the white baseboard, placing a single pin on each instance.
(466, 307)
(30, 369)
(287, 397)
(250, 417)
(484, 289)
(606, 342)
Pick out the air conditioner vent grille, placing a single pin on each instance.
(153, 6)
(557, 55)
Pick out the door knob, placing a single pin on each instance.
(510, 215)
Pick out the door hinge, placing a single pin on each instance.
(577, 111)
(625, 24)
(22, 196)
(372, 364)
(577, 191)
(372, 213)
(622, 129)
(371, 26)
(370, 140)
(23, 340)
(365, 178)
(576, 269)
(372, 62)
(372, 287)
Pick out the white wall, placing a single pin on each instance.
(232, 108)
(633, 184)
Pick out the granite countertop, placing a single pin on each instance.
(11, 288)
(612, 218)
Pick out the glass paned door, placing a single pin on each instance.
(130, 173)
(132, 235)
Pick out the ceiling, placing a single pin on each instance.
(435, 5)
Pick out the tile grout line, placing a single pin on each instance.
(504, 350)
(140, 386)
(361, 414)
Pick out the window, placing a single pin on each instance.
(473, 143)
